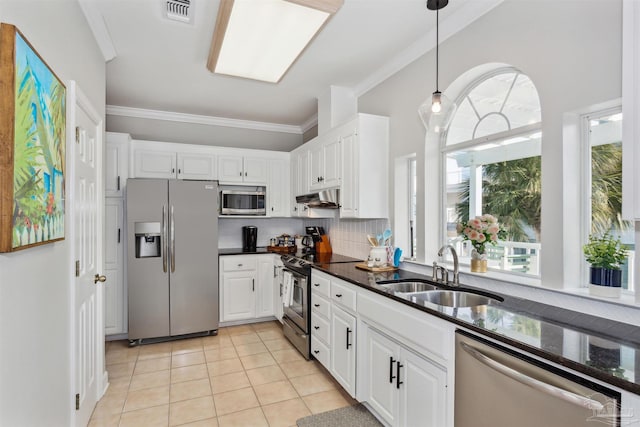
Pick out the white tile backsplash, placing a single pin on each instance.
(230, 229)
(349, 236)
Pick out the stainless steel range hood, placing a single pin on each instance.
(326, 199)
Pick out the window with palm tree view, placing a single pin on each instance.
(604, 183)
(492, 162)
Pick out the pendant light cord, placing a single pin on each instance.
(437, 42)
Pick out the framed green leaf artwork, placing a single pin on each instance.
(32, 146)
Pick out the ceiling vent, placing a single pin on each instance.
(180, 10)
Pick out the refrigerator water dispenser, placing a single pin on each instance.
(148, 243)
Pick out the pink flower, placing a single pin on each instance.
(475, 223)
(473, 235)
(481, 238)
(493, 229)
(494, 237)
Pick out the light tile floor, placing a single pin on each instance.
(246, 376)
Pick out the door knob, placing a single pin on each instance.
(98, 278)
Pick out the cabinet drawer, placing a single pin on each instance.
(320, 328)
(320, 352)
(320, 285)
(239, 263)
(343, 296)
(320, 305)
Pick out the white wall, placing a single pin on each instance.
(571, 49)
(35, 387)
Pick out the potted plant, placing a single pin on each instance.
(605, 254)
(481, 231)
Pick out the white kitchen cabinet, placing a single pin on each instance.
(265, 289)
(403, 387)
(148, 163)
(246, 287)
(343, 348)
(300, 174)
(114, 298)
(240, 169)
(325, 162)
(116, 163)
(278, 188)
(364, 190)
(238, 299)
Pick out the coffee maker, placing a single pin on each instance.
(249, 238)
(321, 243)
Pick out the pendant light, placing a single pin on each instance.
(437, 112)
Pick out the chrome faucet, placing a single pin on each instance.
(456, 278)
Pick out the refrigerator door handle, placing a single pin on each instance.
(163, 227)
(172, 231)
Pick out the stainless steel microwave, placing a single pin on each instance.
(236, 202)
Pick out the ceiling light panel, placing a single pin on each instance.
(263, 38)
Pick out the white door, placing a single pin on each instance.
(230, 169)
(197, 166)
(382, 392)
(154, 164)
(343, 349)
(265, 288)
(87, 237)
(238, 296)
(255, 171)
(332, 167)
(423, 391)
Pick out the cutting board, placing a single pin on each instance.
(363, 266)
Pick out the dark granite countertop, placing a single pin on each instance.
(598, 347)
(239, 251)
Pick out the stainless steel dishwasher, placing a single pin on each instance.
(498, 387)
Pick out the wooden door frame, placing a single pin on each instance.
(75, 98)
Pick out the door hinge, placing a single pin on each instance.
(78, 268)
(77, 401)
(77, 134)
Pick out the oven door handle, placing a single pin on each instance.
(576, 399)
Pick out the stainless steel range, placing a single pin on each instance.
(296, 317)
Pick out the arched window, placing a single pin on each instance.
(491, 152)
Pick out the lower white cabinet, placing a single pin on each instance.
(403, 388)
(246, 287)
(343, 349)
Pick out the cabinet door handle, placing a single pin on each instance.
(316, 284)
(245, 174)
(118, 235)
(391, 362)
(316, 305)
(316, 327)
(118, 183)
(348, 334)
(274, 271)
(398, 366)
(271, 208)
(173, 170)
(339, 295)
(179, 171)
(239, 265)
(253, 285)
(316, 351)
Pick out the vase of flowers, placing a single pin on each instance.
(481, 231)
(605, 254)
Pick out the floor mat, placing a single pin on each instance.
(351, 416)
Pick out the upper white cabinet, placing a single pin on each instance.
(631, 109)
(241, 169)
(364, 191)
(164, 161)
(278, 193)
(116, 164)
(325, 162)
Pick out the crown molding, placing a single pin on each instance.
(140, 113)
(99, 29)
(311, 122)
(455, 23)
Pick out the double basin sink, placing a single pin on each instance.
(426, 292)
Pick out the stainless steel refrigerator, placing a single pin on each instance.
(172, 261)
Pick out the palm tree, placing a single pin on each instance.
(606, 189)
(511, 191)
